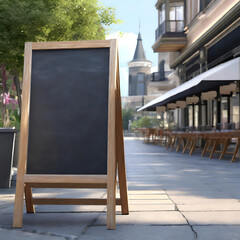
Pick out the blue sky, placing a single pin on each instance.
(131, 12)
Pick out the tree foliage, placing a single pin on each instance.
(127, 114)
(145, 121)
(44, 20)
(48, 20)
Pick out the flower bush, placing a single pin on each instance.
(9, 106)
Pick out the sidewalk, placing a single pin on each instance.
(171, 196)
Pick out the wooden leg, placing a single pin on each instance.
(225, 146)
(123, 191)
(173, 143)
(193, 146)
(115, 120)
(18, 206)
(169, 142)
(215, 143)
(28, 199)
(236, 150)
(179, 144)
(190, 144)
(206, 146)
(111, 200)
(185, 147)
(120, 154)
(164, 140)
(210, 142)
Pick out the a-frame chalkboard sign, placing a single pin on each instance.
(71, 128)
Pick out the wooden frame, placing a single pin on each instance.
(115, 155)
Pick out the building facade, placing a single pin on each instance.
(164, 79)
(144, 85)
(199, 35)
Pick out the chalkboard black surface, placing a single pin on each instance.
(68, 118)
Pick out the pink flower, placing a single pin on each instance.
(7, 99)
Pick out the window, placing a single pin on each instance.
(140, 88)
(235, 110)
(190, 116)
(140, 84)
(214, 112)
(130, 86)
(176, 17)
(224, 111)
(176, 13)
(162, 14)
(196, 115)
(141, 77)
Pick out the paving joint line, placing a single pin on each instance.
(188, 223)
(214, 224)
(91, 224)
(50, 234)
(212, 211)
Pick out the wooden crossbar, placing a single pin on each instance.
(72, 201)
(59, 179)
(67, 185)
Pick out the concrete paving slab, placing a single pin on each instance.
(206, 191)
(213, 193)
(148, 197)
(199, 204)
(218, 232)
(68, 208)
(89, 237)
(21, 235)
(64, 224)
(6, 219)
(141, 232)
(146, 218)
(150, 201)
(150, 208)
(213, 218)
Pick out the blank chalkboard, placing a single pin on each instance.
(68, 119)
(71, 125)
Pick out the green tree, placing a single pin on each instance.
(127, 114)
(46, 20)
(145, 121)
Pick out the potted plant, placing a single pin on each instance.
(9, 126)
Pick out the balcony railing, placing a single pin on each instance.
(160, 76)
(157, 76)
(169, 26)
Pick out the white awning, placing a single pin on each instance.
(207, 81)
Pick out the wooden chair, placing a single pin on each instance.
(224, 139)
(180, 141)
(190, 143)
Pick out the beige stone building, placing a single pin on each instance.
(201, 38)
